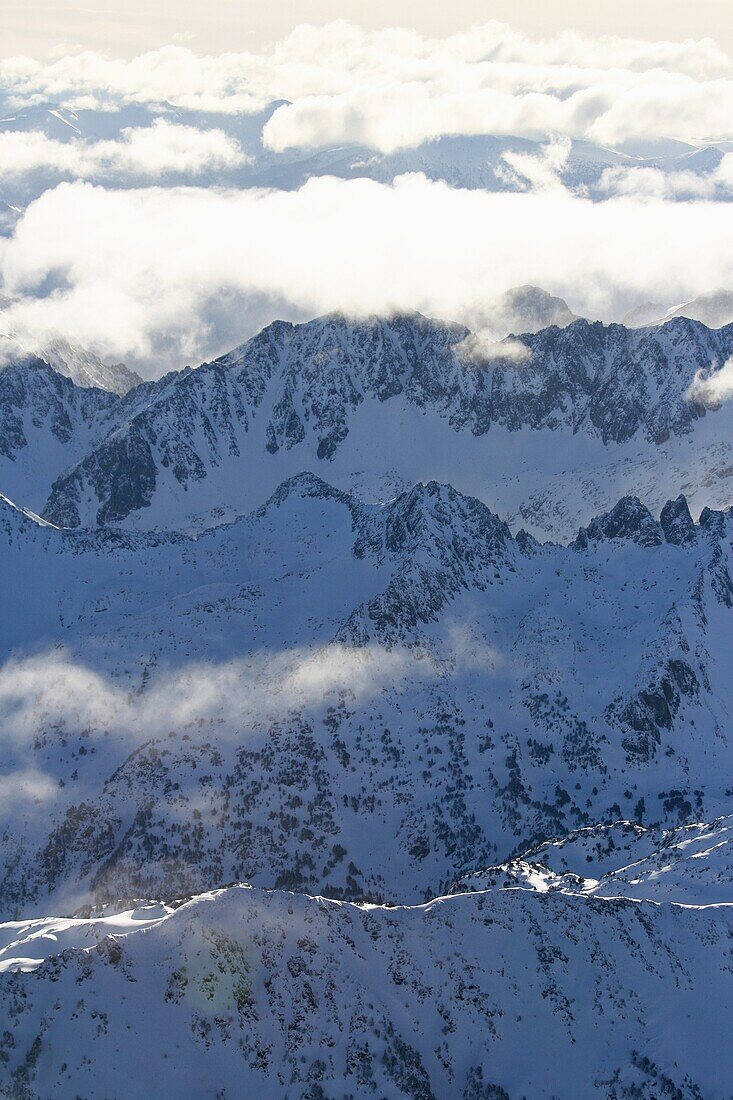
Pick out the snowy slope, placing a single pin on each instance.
(688, 865)
(714, 309)
(483, 996)
(242, 699)
(590, 413)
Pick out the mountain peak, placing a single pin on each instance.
(676, 521)
(306, 485)
(527, 308)
(629, 520)
(86, 369)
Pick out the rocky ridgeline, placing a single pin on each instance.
(515, 988)
(303, 389)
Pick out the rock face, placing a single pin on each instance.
(46, 423)
(676, 521)
(340, 397)
(631, 520)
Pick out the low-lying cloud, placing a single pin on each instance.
(714, 386)
(536, 172)
(650, 182)
(147, 151)
(53, 691)
(55, 706)
(482, 348)
(167, 276)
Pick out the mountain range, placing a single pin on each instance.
(72, 360)
(366, 703)
(714, 310)
(544, 427)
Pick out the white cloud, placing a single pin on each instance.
(24, 789)
(481, 348)
(395, 88)
(141, 273)
(142, 151)
(53, 700)
(54, 691)
(539, 172)
(714, 386)
(647, 182)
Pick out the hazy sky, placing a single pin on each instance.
(42, 29)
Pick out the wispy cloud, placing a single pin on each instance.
(537, 172)
(483, 348)
(714, 386)
(54, 690)
(53, 706)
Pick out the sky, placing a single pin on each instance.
(42, 29)
(148, 242)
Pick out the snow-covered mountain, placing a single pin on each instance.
(691, 864)
(243, 698)
(46, 422)
(506, 992)
(74, 361)
(527, 309)
(714, 310)
(85, 368)
(465, 161)
(546, 429)
(283, 621)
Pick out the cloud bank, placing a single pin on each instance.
(149, 151)
(393, 89)
(650, 182)
(171, 275)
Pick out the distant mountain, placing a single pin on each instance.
(591, 412)
(714, 310)
(648, 313)
(85, 368)
(46, 422)
(527, 309)
(465, 161)
(71, 359)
